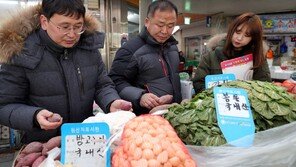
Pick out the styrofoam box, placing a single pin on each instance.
(4, 133)
(186, 89)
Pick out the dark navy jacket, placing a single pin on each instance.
(143, 65)
(47, 76)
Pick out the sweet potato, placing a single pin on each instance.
(126, 106)
(20, 156)
(33, 147)
(52, 143)
(54, 118)
(38, 161)
(28, 159)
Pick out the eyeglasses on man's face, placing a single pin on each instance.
(161, 24)
(66, 29)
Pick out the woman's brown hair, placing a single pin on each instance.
(255, 46)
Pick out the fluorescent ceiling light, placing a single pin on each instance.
(22, 3)
(187, 6)
(7, 2)
(133, 17)
(33, 3)
(187, 20)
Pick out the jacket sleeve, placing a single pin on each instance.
(201, 72)
(105, 88)
(14, 109)
(123, 73)
(262, 73)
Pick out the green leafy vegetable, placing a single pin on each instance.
(196, 122)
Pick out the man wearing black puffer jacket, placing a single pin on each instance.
(145, 69)
(50, 63)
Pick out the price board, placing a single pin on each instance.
(234, 116)
(215, 80)
(85, 143)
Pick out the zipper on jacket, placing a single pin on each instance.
(147, 88)
(161, 60)
(80, 80)
(64, 78)
(65, 55)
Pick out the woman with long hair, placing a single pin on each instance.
(244, 37)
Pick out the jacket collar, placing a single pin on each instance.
(17, 29)
(219, 53)
(86, 42)
(49, 43)
(145, 35)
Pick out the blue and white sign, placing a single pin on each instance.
(234, 116)
(85, 144)
(215, 80)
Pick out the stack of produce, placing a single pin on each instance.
(196, 124)
(150, 141)
(288, 84)
(35, 153)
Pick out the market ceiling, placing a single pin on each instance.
(234, 7)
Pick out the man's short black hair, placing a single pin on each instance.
(161, 5)
(63, 7)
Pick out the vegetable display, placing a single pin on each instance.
(289, 84)
(196, 124)
(35, 153)
(149, 141)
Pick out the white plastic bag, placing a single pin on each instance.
(272, 148)
(116, 121)
(51, 155)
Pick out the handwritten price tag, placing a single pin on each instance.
(215, 80)
(234, 115)
(85, 144)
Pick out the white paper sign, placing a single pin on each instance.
(241, 67)
(85, 144)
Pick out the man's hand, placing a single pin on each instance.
(166, 99)
(44, 120)
(149, 100)
(121, 105)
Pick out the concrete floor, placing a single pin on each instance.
(6, 160)
(6, 164)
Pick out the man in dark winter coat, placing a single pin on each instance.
(55, 68)
(145, 69)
